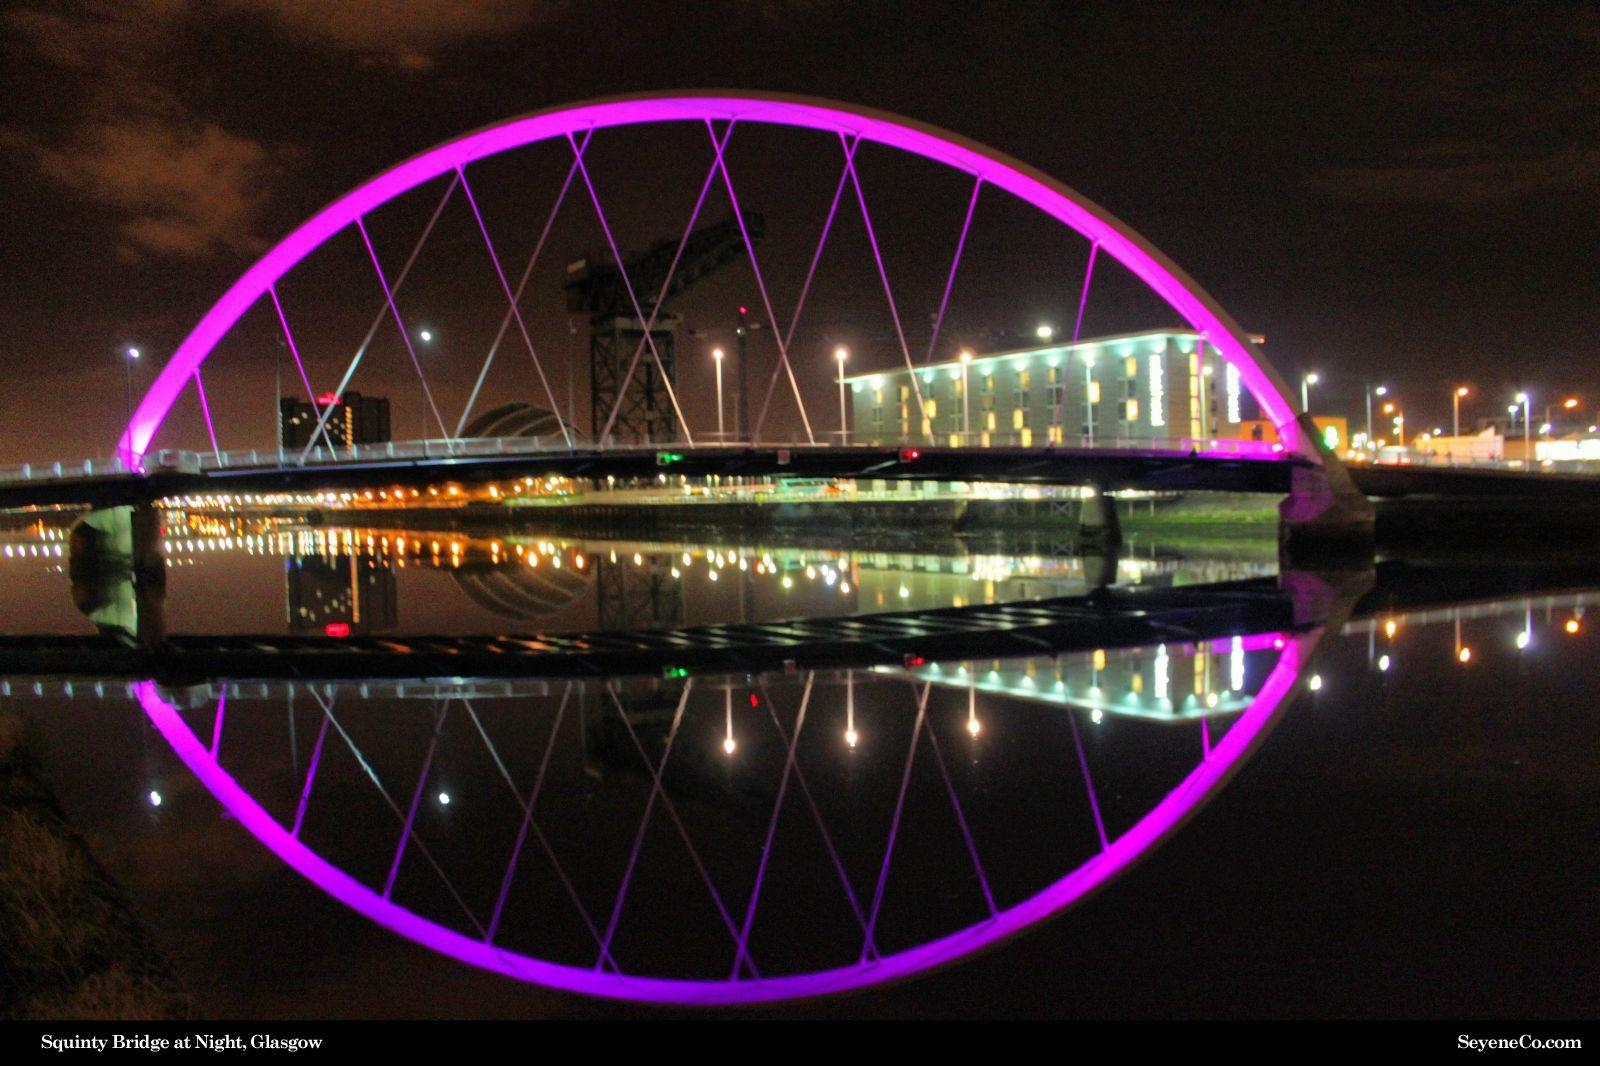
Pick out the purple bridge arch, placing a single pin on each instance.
(1323, 502)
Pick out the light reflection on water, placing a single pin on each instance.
(282, 574)
(927, 808)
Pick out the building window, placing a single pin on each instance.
(1019, 418)
(1094, 392)
(1131, 411)
(989, 421)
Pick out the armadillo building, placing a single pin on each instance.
(1161, 385)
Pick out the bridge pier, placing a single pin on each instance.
(1099, 538)
(1325, 515)
(119, 574)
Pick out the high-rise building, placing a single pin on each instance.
(354, 419)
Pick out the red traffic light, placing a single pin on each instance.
(908, 455)
(337, 629)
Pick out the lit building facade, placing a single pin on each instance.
(354, 419)
(1159, 385)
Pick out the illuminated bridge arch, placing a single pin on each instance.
(1106, 234)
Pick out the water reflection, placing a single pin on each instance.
(736, 838)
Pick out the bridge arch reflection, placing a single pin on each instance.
(1277, 671)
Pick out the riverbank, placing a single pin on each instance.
(70, 943)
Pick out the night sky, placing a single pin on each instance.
(1407, 197)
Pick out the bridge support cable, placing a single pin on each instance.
(1077, 331)
(661, 298)
(205, 409)
(511, 298)
(1088, 781)
(530, 823)
(894, 823)
(772, 829)
(377, 320)
(522, 283)
(372, 775)
(658, 789)
(633, 299)
(405, 334)
(311, 776)
(805, 290)
(822, 829)
(888, 292)
(505, 320)
(216, 726)
(955, 264)
(416, 799)
(961, 818)
(761, 284)
(1083, 297)
(305, 379)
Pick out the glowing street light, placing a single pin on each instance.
(1045, 331)
(1305, 390)
(851, 737)
(1455, 409)
(1381, 390)
(132, 355)
(427, 336)
(717, 354)
(842, 353)
(1567, 405)
(1524, 401)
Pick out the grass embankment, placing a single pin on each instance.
(70, 945)
(1226, 524)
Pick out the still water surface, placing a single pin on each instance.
(1390, 814)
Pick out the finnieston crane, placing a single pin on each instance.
(597, 288)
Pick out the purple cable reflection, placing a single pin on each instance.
(1165, 818)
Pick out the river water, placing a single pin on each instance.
(1383, 805)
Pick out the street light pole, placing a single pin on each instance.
(1525, 401)
(1455, 410)
(716, 354)
(127, 366)
(1305, 391)
(842, 353)
(1381, 390)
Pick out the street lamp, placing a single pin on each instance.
(966, 403)
(1045, 332)
(842, 353)
(1567, 404)
(1381, 390)
(1523, 401)
(1305, 390)
(426, 337)
(132, 356)
(716, 354)
(1455, 409)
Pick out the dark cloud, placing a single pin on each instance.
(133, 138)
(405, 33)
(1478, 129)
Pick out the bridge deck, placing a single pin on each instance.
(1110, 468)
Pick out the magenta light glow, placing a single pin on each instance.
(1107, 233)
(1166, 817)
